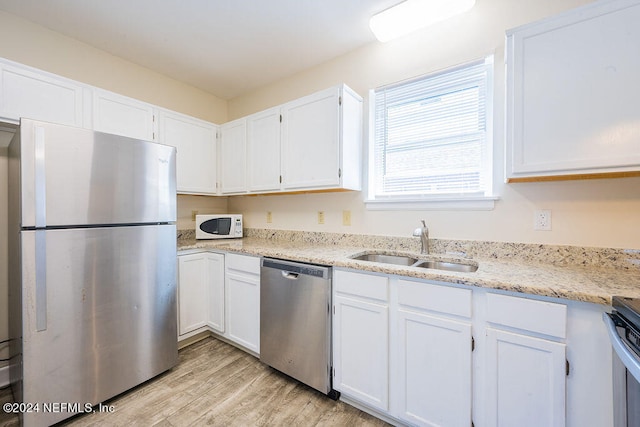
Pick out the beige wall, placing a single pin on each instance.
(200, 204)
(41, 48)
(599, 213)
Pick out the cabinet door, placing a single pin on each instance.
(526, 380)
(195, 142)
(243, 309)
(192, 285)
(233, 164)
(311, 141)
(39, 96)
(361, 351)
(263, 150)
(572, 93)
(434, 370)
(113, 113)
(215, 291)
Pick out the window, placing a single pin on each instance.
(432, 137)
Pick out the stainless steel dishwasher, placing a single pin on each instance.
(295, 321)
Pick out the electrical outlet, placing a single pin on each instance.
(193, 215)
(346, 217)
(542, 220)
(269, 217)
(320, 217)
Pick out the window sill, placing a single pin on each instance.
(477, 203)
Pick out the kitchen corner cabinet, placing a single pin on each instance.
(242, 291)
(322, 141)
(572, 94)
(120, 115)
(195, 143)
(360, 337)
(233, 149)
(263, 150)
(34, 94)
(200, 293)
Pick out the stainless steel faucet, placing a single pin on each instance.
(423, 234)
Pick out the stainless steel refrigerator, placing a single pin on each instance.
(92, 267)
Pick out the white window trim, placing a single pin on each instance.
(477, 202)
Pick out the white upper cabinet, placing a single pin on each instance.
(113, 113)
(233, 149)
(572, 94)
(263, 150)
(38, 95)
(309, 144)
(195, 142)
(322, 140)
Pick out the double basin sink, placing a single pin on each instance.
(415, 262)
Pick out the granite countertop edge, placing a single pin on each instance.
(578, 283)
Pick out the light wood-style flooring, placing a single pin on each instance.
(217, 384)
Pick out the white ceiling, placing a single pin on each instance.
(225, 47)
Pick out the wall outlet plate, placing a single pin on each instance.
(542, 220)
(346, 217)
(320, 217)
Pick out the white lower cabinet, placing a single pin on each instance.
(526, 380)
(242, 285)
(200, 293)
(361, 348)
(434, 367)
(404, 348)
(220, 293)
(525, 359)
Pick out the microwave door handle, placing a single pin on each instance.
(626, 355)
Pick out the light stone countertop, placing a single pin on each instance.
(587, 282)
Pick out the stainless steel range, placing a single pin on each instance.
(623, 325)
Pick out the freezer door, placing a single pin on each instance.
(72, 176)
(99, 313)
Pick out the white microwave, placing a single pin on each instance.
(221, 226)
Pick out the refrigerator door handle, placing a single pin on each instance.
(41, 280)
(40, 179)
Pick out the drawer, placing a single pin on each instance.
(541, 317)
(433, 297)
(362, 285)
(244, 263)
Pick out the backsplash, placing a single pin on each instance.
(627, 259)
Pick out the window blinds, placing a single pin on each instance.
(430, 134)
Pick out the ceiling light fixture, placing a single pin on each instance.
(412, 15)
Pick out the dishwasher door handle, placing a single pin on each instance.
(289, 275)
